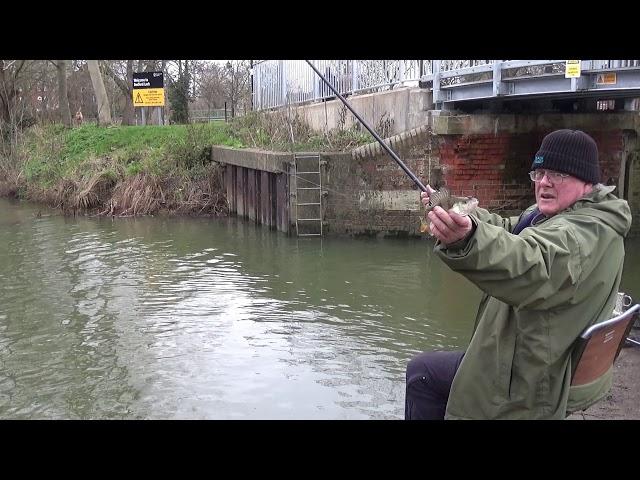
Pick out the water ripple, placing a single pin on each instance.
(185, 318)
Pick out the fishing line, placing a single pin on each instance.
(324, 187)
(371, 131)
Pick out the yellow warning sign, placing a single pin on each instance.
(148, 97)
(608, 78)
(572, 69)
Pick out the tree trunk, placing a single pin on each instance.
(63, 99)
(104, 113)
(126, 87)
(6, 96)
(128, 115)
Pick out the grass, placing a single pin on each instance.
(286, 131)
(141, 169)
(52, 152)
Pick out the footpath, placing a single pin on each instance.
(623, 400)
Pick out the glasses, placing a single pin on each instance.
(554, 177)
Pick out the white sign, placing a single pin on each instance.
(572, 69)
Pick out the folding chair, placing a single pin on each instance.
(599, 346)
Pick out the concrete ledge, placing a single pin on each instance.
(518, 123)
(275, 162)
(402, 140)
(386, 200)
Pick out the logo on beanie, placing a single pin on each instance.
(538, 160)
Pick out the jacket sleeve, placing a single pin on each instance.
(508, 223)
(538, 269)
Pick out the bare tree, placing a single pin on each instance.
(121, 72)
(63, 99)
(80, 90)
(237, 83)
(9, 90)
(13, 103)
(43, 87)
(211, 90)
(104, 112)
(27, 87)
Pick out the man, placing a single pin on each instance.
(546, 275)
(79, 118)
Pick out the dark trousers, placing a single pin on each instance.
(429, 379)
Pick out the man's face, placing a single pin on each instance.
(552, 196)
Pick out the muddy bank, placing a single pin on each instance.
(141, 194)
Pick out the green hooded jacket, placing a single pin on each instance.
(542, 288)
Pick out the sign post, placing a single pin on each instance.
(148, 91)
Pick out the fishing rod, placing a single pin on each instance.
(372, 132)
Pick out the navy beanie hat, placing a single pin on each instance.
(569, 151)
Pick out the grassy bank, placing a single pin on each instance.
(131, 170)
(121, 170)
(52, 153)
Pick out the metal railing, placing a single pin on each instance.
(209, 115)
(283, 82)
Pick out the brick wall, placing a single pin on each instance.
(491, 167)
(610, 149)
(494, 168)
(476, 165)
(368, 192)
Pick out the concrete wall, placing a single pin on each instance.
(633, 194)
(395, 111)
(486, 156)
(369, 194)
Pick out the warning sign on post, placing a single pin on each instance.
(148, 89)
(572, 69)
(148, 97)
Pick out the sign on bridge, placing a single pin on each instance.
(608, 78)
(572, 69)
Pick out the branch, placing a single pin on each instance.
(122, 84)
(22, 62)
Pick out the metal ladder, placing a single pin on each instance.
(308, 195)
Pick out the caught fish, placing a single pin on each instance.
(443, 198)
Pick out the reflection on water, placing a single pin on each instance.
(202, 318)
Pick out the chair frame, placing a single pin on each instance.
(599, 346)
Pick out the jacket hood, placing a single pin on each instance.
(606, 207)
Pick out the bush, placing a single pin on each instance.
(192, 149)
(289, 131)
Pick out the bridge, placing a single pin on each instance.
(519, 79)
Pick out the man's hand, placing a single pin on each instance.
(448, 227)
(424, 196)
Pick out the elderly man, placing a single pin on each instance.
(547, 275)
